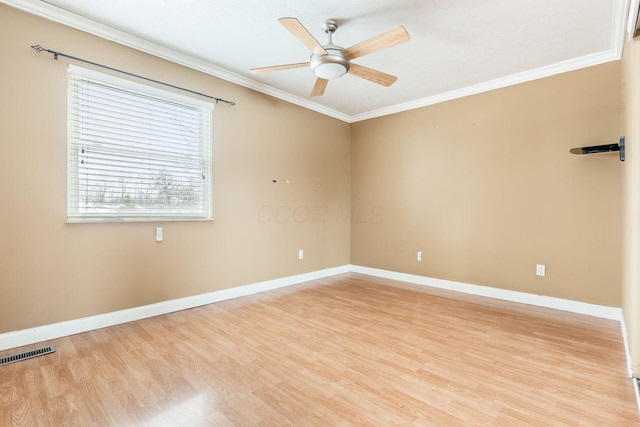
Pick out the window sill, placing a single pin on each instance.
(120, 220)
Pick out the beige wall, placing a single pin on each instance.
(51, 271)
(486, 188)
(631, 200)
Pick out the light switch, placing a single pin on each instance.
(159, 234)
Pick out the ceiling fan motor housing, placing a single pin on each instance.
(332, 65)
(331, 62)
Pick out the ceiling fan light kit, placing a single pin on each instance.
(330, 66)
(330, 61)
(333, 63)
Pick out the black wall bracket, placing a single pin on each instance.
(606, 148)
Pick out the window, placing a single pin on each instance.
(136, 152)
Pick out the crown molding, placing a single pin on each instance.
(78, 22)
(538, 73)
(65, 17)
(614, 53)
(632, 18)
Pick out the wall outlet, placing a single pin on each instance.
(419, 257)
(541, 270)
(300, 254)
(159, 234)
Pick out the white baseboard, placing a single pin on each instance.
(636, 381)
(627, 352)
(85, 324)
(636, 387)
(76, 326)
(606, 312)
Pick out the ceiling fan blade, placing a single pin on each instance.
(319, 87)
(375, 76)
(278, 68)
(300, 32)
(381, 41)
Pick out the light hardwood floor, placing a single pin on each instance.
(349, 350)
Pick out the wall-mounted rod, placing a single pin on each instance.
(55, 54)
(595, 149)
(605, 148)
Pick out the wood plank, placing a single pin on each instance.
(349, 350)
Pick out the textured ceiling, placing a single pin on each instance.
(456, 48)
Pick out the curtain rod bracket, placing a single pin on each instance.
(56, 54)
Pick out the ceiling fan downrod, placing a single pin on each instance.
(334, 63)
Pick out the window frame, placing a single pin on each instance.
(74, 214)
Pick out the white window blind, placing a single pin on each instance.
(136, 152)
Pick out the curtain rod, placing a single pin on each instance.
(55, 54)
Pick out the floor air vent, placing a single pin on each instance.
(27, 355)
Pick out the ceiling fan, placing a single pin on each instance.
(331, 61)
